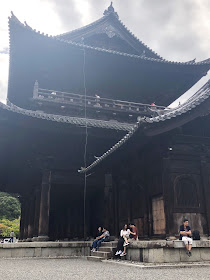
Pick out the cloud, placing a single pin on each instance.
(4, 51)
(68, 13)
(177, 30)
(4, 69)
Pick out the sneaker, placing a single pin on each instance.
(93, 250)
(189, 254)
(123, 254)
(118, 253)
(125, 244)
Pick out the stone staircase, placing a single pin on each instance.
(105, 252)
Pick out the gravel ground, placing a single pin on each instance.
(62, 269)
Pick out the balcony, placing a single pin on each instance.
(65, 99)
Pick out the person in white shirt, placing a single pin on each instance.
(12, 235)
(123, 241)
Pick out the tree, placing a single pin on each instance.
(9, 207)
(6, 226)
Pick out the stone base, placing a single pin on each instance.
(45, 249)
(42, 238)
(35, 239)
(159, 251)
(162, 251)
(29, 240)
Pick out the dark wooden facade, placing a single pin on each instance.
(155, 179)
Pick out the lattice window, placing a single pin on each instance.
(186, 193)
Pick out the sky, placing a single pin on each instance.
(178, 30)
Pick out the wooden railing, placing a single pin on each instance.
(93, 101)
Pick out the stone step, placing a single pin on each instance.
(105, 255)
(107, 249)
(109, 244)
(95, 258)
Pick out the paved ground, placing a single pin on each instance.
(62, 269)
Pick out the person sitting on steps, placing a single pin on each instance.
(185, 233)
(123, 241)
(102, 238)
(99, 232)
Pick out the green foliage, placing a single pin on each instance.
(6, 226)
(9, 207)
(9, 214)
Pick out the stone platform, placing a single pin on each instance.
(45, 249)
(158, 251)
(162, 251)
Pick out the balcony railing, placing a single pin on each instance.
(65, 98)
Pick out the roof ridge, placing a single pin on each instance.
(83, 27)
(138, 40)
(133, 55)
(107, 13)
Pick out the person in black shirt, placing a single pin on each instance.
(185, 233)
(105, 236)
(99, 232)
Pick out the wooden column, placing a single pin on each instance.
(36, 213)
(31, 219)
(116, 212)
(167, 196)
(206, 187)
(26, 217)
(22, 219)
(44, 206)
(109, 204)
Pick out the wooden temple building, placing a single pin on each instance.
(82, 98)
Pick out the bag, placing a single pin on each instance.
(196, 235)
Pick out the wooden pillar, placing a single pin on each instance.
(109, 204)
(26, 218)
(116, 212)
(31, 219)
(36, 213)
(44, 206)
(206, 187)
(22, 219)
(167, 195)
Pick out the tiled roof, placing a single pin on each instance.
(83, 46)
(199, 97)
(71, 120)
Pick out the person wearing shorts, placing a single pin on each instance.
(185, 236)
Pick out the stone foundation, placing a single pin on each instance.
(44, 249)
(167, 251)
(143, 251)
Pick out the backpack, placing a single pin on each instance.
(196, 235)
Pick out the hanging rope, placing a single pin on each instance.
(86, 140)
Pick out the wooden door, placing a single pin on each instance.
(158, 213)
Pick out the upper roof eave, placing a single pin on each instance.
(82, 46)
